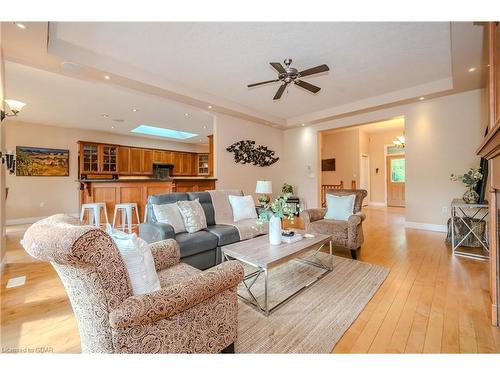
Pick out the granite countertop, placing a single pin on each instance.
(147, 179)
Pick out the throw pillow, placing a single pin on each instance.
(138, 261)
(170, 214)
(193, 215)
(243, 207)
(339, 207)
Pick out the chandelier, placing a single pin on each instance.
(400, 141)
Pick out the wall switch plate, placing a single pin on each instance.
(444, 210)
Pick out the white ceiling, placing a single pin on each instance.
(172, 68)
(70, 102)
(220, 59)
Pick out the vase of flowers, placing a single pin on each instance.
(273, 213)
(470, 179)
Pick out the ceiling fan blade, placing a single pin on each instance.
(280, 91)
(278, 67)
(307, 86)
(315, 70)
(262, 83)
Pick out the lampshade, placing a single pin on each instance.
(264, 187)
(15, 105)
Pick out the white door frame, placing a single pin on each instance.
(368, 176)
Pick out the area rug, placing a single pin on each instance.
(314, 320)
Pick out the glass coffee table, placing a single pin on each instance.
(260, 254)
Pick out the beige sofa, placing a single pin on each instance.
(194, 312)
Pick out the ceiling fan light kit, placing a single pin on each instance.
(289, 75)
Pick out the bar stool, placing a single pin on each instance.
(126, 209)
(94, 217)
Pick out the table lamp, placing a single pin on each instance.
(264, 188)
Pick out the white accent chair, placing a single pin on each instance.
(94, 214)
(126, 211)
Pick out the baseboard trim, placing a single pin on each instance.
(377, 204)
(30, 220)
(426, 226)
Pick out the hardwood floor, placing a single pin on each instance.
(430, 302)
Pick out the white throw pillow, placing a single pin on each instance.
(339, 207)
(243, 207)
(169, 214)
(138, 260)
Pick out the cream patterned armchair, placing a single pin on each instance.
(194, 312)
(348, 234)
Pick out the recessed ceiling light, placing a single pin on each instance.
(201, 140)
(472, 69)
(421, 98)
(134, 109)
(209, 107)
(186, 114)
(106, 77)
(204, 126)
(21, 25)
(303, 125)
(105, 115)
(112, 126)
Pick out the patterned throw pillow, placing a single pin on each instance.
(193, 215)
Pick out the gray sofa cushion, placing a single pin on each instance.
(195, 243)
(162, 199)
(226, 234)
(206, 203)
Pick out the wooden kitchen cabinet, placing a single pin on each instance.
(135, 161)
(124, 160)
(96, 158)
(147, 161)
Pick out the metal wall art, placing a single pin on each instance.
(245, 152)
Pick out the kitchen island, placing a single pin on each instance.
(137, 190)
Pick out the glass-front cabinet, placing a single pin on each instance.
(90, 156)
(109, 158)
(203, 164)
(98, 158)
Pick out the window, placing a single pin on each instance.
(398, 170)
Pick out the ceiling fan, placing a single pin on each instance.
(288, 75)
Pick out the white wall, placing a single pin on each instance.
(230, 175)
(34, 197)
(344, 147)
(442, 135)
(2, 148)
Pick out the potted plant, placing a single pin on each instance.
(287, 189)
(470, 179)
(273, 212)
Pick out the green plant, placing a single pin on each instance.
(470, 179)
(278, 207)
(287, 189)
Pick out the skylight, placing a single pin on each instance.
(162, 132)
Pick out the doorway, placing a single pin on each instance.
(396, 179)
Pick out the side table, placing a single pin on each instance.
(463, 211)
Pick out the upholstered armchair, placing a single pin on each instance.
(347, 234)
(193, 312)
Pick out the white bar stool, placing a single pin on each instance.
(94, 217)
(126, 209)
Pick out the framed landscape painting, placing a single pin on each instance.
(38, 161)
